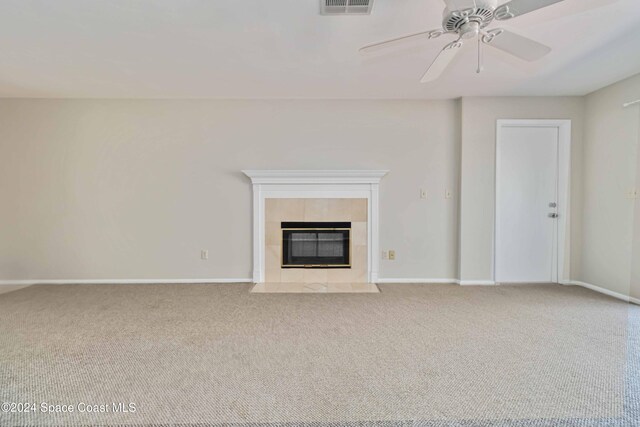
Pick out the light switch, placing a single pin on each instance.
(447, 194)
(423, 194)
(204, 254)
(392, 255)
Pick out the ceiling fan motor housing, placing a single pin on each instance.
(478, 14)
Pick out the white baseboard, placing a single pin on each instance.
(119, 281)
(602, 290)
(418, 281)
(476, 282)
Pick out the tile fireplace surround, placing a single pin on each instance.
(322, 196)
(317, 210)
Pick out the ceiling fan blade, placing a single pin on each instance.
(441, 62)
(516, 45)
(424, 35)
(520, 7)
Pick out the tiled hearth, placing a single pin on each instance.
(324, 199)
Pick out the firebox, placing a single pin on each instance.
(316, 244)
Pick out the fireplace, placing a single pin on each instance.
(316, 244)
(320, 195)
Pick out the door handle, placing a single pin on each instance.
(553, 215)
(553, 205)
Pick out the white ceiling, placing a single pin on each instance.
(285, 49)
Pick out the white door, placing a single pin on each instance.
(526, 204)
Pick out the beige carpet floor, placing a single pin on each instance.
(207, 354)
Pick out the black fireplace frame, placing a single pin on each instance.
(290, 228)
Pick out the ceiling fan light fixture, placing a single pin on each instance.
(469, 30)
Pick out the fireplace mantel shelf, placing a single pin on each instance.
(315, 176)
(314, 184)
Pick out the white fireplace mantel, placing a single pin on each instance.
(329, 184)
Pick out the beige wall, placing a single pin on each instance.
(635, 250)
(635, 247)
(479, 116)
(123, 189)
(610, 171)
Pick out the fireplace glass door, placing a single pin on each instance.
(315, 245)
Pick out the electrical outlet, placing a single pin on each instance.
(204, 254)
(423, 194)
(385, 255)
(392, 255)
(447, 194)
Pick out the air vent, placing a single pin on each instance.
(345, 7)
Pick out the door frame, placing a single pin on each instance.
(562, 271)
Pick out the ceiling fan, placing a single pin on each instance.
(468, 19)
